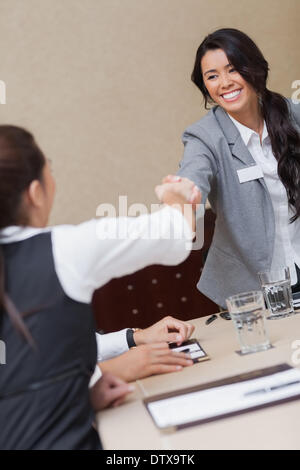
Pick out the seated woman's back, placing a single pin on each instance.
(44, 383)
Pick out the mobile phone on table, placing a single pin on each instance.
(193, 348)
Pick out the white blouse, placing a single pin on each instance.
(287, 236)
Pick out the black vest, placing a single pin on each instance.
(44, 398)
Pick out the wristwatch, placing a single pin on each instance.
(130, 338)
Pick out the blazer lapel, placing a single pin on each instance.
(235, 141)
(233, 137)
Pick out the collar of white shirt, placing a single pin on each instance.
(15, 233)
(247, 133)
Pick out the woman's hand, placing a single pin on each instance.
(146, 360)
(168, 329)
(109, 391)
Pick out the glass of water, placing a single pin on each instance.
(247, 311)
(276, 286)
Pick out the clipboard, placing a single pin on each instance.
(285, 380)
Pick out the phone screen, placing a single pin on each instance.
(191, 347)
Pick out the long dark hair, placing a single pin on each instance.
(21, 162)
(244, 55)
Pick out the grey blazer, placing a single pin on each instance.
(244, 233)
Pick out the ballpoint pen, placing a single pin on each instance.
(271, 389)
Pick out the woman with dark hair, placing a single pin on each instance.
(244, 155)
(47, 279)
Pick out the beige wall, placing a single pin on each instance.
(105, 84)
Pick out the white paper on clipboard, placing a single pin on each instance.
(207, 404)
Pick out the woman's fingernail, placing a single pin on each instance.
(178, 367)
(178, 338)
(177, 178)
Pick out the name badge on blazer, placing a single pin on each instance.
(251, 173)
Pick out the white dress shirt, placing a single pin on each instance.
(88, 255)
(287, 236)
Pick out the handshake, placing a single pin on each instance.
(175, 190)
(182, 194)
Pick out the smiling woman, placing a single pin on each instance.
(254, 132)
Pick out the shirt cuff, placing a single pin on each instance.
(111, 344)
